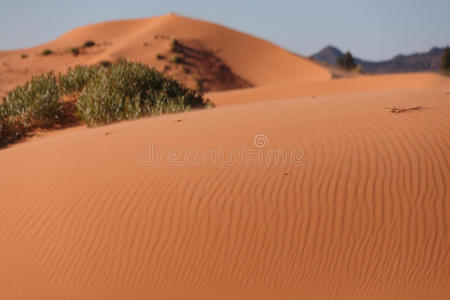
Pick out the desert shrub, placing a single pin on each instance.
(105, 63)
(159, 56)
(34, 105)
(200, 84)
(359, 69)
(89, 44)
(12, 126)
(23, 56)
(75, 51)
(176, 47)
(76, 78)
(186, 70)
(47, 52)
(346, 61)
(445, 60)
(46, 109)
(129, 91)
(177, 59)
(37, 101)
(102, 95)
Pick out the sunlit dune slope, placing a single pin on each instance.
(256, 60)
(362, 214)
(363, 84)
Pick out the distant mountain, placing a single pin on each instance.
(427, 61)
(328, 55)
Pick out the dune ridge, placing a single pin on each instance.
(254, 60)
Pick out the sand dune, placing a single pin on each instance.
(363, 216)
(254, 60)
(359, 209)
(362, 84)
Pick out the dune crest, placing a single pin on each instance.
(254, 60)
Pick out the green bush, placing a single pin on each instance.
(176, 47)
(75, 51)
(176, 59)
(200, 84)
(37, 101)
(23, 56)
(89, 44)
(159, 56)
(359, 69)
(445, 60)
(47, 52)
(105, 63)
(76, 78)
(101, 95)
(132, 90)
(346, 61)
(34, 105)
(12, 126)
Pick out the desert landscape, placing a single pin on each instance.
(303, 182)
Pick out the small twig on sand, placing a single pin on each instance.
(398, 109)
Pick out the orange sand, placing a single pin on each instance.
(363, 215)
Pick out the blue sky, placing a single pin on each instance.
(377, 29)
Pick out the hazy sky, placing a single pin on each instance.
(377, 29)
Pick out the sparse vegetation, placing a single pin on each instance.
(75, 79)
(176, 46)
(23, 56)
(445, 60)
(359, 69)
(159, 56)
(75, 51)
(177, 59)
(186, 70)
(34, 105)
(199, 84)
(105, 63)
(399, 109)
(346, 61)
(47, 52)
(200, 62)
(100, 95)
(131, 90)
(89, 44)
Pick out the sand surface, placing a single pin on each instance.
(358, 211)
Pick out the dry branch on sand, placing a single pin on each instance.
(398, 109)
